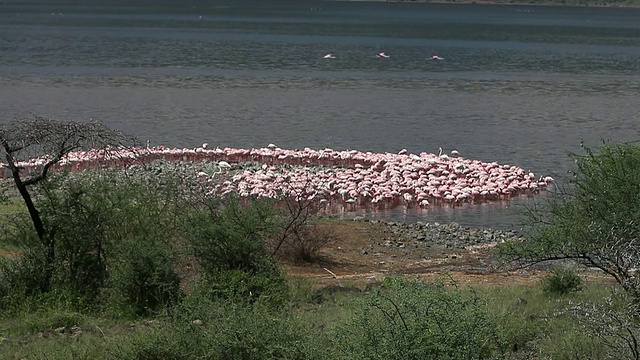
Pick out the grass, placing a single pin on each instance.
(9, 208)
(541, 325)
(538, 326)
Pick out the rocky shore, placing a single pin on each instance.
(450, 235)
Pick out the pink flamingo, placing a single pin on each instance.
(383, 180)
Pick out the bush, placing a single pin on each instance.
(613, 325)
(561, 281)
(143, 279)
(110, 234)
(407, 319)
(20, 279)
(211, 329)
(593, 221)
(299, 237)
(228, 241)
(304, 244)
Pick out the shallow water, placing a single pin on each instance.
(518, 84)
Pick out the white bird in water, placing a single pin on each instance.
(435, 57)
(329, 56)
(383, 55)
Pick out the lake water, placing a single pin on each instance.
(521, 85)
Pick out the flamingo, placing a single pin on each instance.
(383, 180)
(441, 155)
(329, 56)
(383, 55)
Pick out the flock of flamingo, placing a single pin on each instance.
(327, 176)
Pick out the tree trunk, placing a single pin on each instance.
(46, 240)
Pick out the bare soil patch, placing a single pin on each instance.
(365, 252)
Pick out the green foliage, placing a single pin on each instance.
(527, 325)
(594, 221)
(408, 319)
(206, 328)
(143, 278)
(228, 236)
(4, 198)
(110, 234)
(228, 241)
(20, 276)
(561, 281)
(535, 325)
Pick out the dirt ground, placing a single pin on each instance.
(365, 252)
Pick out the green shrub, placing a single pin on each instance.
(227, 235)
(143, 279)
(228, 240)
(561, 281)
(111, 234)
(407, 319)
(21, 273)
(205, 328)
(593, 220)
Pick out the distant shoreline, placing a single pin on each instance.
(512, 2)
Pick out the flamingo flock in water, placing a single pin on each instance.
(349, 177)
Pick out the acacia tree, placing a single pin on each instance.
(594, 220)
(48, 140)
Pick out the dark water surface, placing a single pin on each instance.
(518, 84)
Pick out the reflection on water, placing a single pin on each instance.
(505, 215)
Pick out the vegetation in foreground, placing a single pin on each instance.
(144, 274)
(122, 265)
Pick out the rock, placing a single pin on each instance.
(449, 235)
